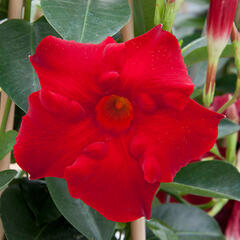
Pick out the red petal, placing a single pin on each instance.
(152, 63)
(48, 141)
(69, 68)
(174, 138)
(114, 185)
(233, 226)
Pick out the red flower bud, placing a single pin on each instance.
(219, 24)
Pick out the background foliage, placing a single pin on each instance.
(43, 209)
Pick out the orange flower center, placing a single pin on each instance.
(114, 113)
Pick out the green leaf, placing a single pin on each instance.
(19, 221)
(18, 40)
(208, 178)
(3, 9)
(88, 20)
(161, 230)
(37, 197)
(7, 140)
(6, 177)
(227, 127)
(188, 222)
(196, 52)
(144, 11)
(85, 219)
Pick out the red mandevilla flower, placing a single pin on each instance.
(114, 120)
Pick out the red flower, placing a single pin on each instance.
(232, 112)
(229, 220)
(233, 226)
(114, 120)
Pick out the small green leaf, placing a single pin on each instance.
(85, 219)
(188, 222)
(208, 178)
(6, 177)
(196, 52)
(18, 40)
(7, 140)
(161, 230)
(88, 20)
(227, 127)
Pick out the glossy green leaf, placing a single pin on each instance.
(227, 127)
(208, 178)
(144, 11)
(6, 177)
(18, 40)
(196, 52)
(37, 197)
(188, 222)
(85, 219)
(7, 140)
(86, 20)
(161, 230)
(19, 221)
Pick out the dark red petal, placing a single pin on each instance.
(47, 141)
(69, 68)
(152, 63)
(233, 227)
(174, 138)
(114, 185)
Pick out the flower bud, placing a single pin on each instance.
(219, 24)
(166, 16)
(233, 227)
(236, 45)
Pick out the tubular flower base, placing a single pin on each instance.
(113, 119)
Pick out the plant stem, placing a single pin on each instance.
(15, 9)
(138, 229)
(217, 207)
(27, 10)
(127, 32)
(5, 116)
(234, 97)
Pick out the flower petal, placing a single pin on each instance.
(174, 138)
(114, 185)
(69, 68)
(152, 63)
(49, 141)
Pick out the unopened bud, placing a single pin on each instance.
(165, 12)
(236, 45)
(219, 24)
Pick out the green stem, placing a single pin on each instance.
(27, 11)
(232, 141)
(5, 116)
(234, 97)
(217, 207)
